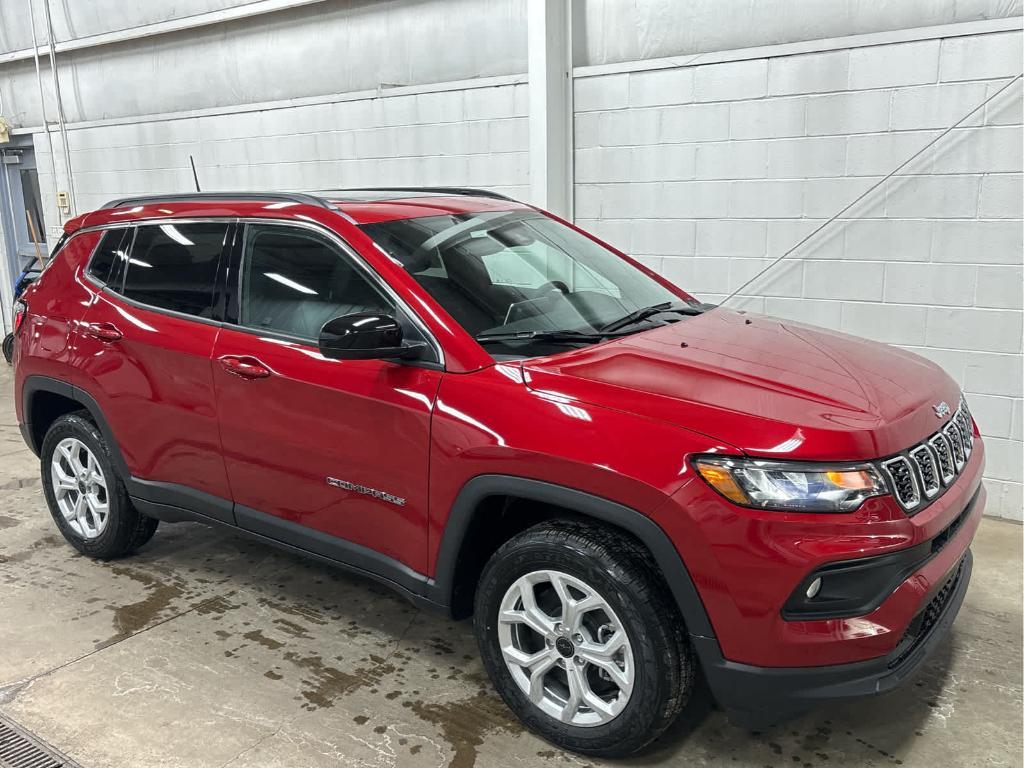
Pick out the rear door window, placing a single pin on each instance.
(174, 266)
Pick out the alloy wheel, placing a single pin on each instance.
(565, 648)
(80, 488)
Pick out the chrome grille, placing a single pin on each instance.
(904, 481)
(919, 474)
(956, 442)
(928, 468)
(944, 454)
(963, 419)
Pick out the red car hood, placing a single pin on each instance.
(769, 387)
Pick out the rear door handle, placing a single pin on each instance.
(103, 331)
(244, 366)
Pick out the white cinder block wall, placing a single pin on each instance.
(461, 134)
(707, 171)
(706, 165)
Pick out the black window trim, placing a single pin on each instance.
(231, 259)
(233, 287)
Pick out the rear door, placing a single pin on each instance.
(145, 347)
(323, 454)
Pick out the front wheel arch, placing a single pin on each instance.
(455, 586)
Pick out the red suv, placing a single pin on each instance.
(499, 415)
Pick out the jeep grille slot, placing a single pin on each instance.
(922, 472)
(963, 420)
(904, 481)
(956, 441)
(927, 469)
(945, 455)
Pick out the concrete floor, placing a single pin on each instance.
(208, 650)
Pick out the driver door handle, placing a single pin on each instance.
(103, 331)
(244, 366)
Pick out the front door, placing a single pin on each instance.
(328, 455)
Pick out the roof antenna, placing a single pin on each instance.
(194, 174)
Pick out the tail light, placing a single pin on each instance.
(20, 312)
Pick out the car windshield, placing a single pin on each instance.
(521, 281)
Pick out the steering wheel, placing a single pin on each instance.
(551, 286)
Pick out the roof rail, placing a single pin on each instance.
(184, 197)
(434, 190)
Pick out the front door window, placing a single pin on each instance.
(295, 280)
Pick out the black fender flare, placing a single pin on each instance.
(665, 555)
(147, 490)
(36, 384)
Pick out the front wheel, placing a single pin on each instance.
(87, 499)
(582, 640)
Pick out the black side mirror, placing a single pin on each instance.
(366, 336)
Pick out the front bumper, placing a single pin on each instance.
(746, 565)
(755, 697)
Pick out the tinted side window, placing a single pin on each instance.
(174, 266)
(294, 281)
(106, 254)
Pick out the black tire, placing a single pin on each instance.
(9, 348)
(625, 577)
(126, 528)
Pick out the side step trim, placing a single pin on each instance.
(306, 542)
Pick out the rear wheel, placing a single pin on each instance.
(582, 640)
(87, 499)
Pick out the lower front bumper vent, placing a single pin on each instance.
(20, 749)
(926, 620)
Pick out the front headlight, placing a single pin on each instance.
(791, 486)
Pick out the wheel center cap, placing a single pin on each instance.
(565, 647)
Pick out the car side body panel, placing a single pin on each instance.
(491, 422)
(340, 447)
(155, 386)
(57, 301)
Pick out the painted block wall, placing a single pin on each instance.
(708, 172)
(471, 136)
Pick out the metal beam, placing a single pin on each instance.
(549, 59)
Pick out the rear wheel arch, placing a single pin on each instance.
(463, 552)
(45, 399)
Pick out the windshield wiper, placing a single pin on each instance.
(643, 313)
(556, 336)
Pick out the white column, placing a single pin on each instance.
(550, 82)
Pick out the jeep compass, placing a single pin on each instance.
(501, 416)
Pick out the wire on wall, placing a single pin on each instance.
(60, 107)
(42, 102)
(871, 189)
